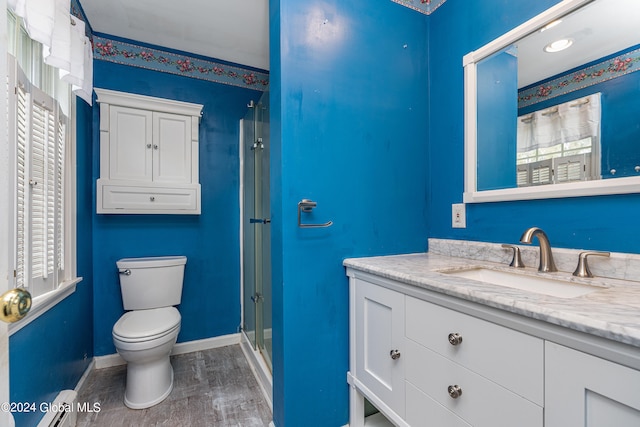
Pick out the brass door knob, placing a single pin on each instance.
(16, 303)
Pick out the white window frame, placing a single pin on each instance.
(64, 281)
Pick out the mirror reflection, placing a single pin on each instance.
(563, 103)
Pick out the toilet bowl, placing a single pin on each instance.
(145, 336)
(144, 339)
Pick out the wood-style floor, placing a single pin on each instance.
(211, 388)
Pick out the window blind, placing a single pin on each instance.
(40, 133)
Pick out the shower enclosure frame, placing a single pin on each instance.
(254, 236)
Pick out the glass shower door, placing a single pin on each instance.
(257, 235)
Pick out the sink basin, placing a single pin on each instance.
(517, 280)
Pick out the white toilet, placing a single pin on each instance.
(146, 333)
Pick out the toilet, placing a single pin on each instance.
(145, 335)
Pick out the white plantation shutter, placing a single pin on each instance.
(571, 168)
(61, 137)
(40, 142)
(21, 135)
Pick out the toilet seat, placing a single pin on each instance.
(146, 325)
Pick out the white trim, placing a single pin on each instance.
(85, 375)
(106, 96)
(241, 231)
(111, 360)
(575, 189)
(41, 304)
(6, 215)
(598, 187)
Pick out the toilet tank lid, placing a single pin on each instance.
(151, 262)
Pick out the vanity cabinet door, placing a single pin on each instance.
(584, 390)
(379, 342)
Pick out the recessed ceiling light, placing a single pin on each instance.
(558, 45)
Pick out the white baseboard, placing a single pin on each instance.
(83, 378)
(110, 360)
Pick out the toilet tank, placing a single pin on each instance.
(151, 282)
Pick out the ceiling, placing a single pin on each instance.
(598, 29)
(229, 30)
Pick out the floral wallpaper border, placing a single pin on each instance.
(423, 6)
(589, 76)
(167, 62)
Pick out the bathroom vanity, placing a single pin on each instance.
(430, 347)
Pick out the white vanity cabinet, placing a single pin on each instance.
(379, 335)
(148, 155)
(426, 359)
(424, 365)
(583, 390)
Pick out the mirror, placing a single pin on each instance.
(546, 122)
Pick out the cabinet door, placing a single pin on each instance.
(379, 340)
(130, 144)
(584, 390)
(171, 148)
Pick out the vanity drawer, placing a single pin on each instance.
(482, 403)
(510, 358)
(423, 411)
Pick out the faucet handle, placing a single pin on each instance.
(517, 259)
(582, 270)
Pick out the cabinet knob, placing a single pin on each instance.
(395, 354)
(454, 391)
(148, 145)
(155, 146)
(455, 338)
(152, 198)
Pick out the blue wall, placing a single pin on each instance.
(52, 352)
(497, 82)
(211, 294)
(604, 222)
(349, 114)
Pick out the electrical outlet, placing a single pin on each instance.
(458, 216)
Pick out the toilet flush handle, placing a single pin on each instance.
(126, 272)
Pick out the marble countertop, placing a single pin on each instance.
(612, 312)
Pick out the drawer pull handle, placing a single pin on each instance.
(454, 391)
(395, 354)
(455, 338)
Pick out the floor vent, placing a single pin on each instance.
(62, 412)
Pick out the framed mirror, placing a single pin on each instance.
(552, 108)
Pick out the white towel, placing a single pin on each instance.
(75, 73)
(85, 91)
(59, 53)
(39, 20)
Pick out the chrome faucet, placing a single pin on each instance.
(546, 257)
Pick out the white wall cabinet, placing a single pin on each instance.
(148, 155)
(459, 370)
